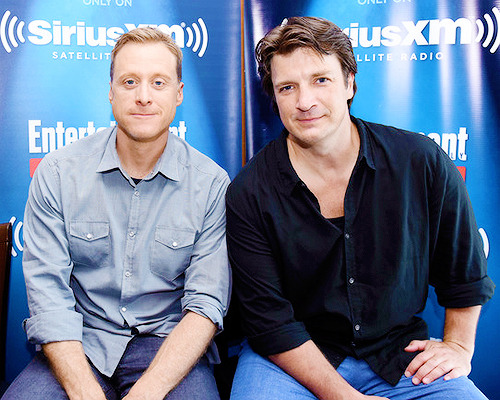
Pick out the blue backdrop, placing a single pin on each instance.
(427, 66)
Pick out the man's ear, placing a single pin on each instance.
(350, 85)
(110, 94)
(180, 93)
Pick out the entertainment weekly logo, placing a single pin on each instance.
(44, 138)
(14, 32)
(430, 32)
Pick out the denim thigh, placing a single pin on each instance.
(37, 382)
(258, 378)
(359, 374)
(198, 384)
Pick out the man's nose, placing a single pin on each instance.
(306, 98)
(143, 94)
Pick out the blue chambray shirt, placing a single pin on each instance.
(105, 258)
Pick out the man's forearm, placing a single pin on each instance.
(179, 353)
(71, 368)
(309, 366)
(460, 326)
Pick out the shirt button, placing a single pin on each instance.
(89, 236)
(357, 327)
(128, 274)
(347, 236)
(175, 244)
(131, 234)
(124, 309)
(136, 193)
(351, 280)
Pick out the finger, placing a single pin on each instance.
(425, 371)
(454, 373)
(416, 345)
(436, 373)
(418, 362)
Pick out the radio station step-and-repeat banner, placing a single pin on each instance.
(54, 74)
(427, 66)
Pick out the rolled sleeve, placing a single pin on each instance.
(207, 285)
(467, 294)
(284, 338)
(46, 263)
(54, 326)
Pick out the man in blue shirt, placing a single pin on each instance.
(125, 257)
(335, 231)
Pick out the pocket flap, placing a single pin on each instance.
(174, 238)
(89, 230)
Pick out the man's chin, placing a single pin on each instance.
(142, 135)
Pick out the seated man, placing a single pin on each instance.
(335, 231)
(125, 254)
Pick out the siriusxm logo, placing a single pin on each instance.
(17, 242)
(429, 32)
(41, 32)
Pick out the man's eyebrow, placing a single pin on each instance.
(153, 76)
(284, 82)
(324, 72)
(126, 75)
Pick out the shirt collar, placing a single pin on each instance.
(167, 164)
(289, 177)
(110, 158)
(365, 143)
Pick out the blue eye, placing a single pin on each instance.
(322, 80)
(285, 88)
(129, 82)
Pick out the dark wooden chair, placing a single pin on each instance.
(5, 255)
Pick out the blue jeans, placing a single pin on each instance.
(37, 382)
(258, 378)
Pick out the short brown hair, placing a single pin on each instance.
(145, 35)
(317, 34)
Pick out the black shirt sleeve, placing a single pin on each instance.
(457, 259)
(267, 316)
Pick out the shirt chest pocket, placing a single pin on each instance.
(89, 242)
(172, 250)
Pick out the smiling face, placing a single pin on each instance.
(145, 91)
(311, 93)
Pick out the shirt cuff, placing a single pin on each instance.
(282, 339)
(54, 326)
(207, 307)
(467, 294)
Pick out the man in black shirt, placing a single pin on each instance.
(335, 231)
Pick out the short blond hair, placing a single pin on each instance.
(147, 35)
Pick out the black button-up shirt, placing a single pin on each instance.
(354, 286)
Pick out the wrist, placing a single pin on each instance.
(151, 387)
(461, 345)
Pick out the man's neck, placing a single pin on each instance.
(326, 171)
(334, 157)
(139, 158)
